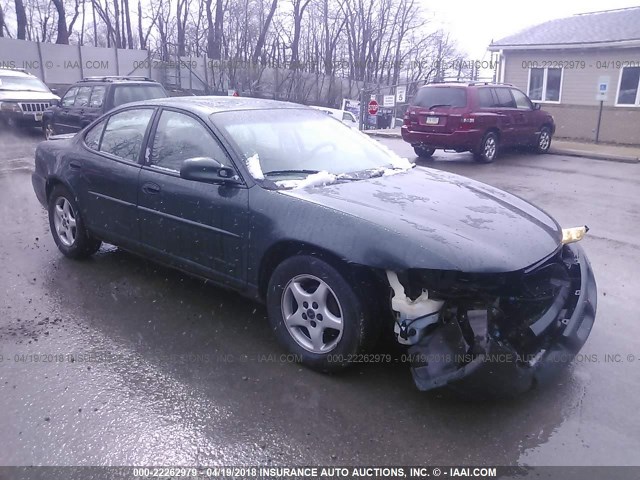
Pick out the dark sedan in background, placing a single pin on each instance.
(338, 236)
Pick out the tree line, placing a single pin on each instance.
(379, 41)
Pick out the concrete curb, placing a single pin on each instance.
(377, 133)
(608, 157)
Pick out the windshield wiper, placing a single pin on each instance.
(439, 105)
(289, 172)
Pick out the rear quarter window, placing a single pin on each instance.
(429, 97)
(134, 93)
(92, 137)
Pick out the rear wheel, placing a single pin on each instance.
(424, 152)
(488, 148)
(544, 140)
(316, 314)
(67, 225)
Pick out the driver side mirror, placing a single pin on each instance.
(208, 170)
(536, 106)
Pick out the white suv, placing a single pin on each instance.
(23, 98)
(348, 118)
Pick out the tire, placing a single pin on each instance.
(67, 226)
(424, 152)
(323, 330)
(544, 141)
(47, 130)
(488, 150)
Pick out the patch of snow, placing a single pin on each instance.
(401, 163)
(254, 167)
(313, 180)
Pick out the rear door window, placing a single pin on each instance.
(505, 99)
(429, 97)
(82, 98)
(124, 133)
(97, 96)
(486, 98)
(134, 93)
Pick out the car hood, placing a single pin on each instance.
(466, 225)
(19, 96)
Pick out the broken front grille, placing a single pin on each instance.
(525, 310)
(538, 306)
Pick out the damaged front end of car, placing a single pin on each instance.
(501, 333)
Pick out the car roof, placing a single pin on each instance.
(116, 80)
(467, 84)
(214, 104)
(9, 72)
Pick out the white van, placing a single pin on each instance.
(345, 117)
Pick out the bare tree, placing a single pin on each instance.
(214, 24)
(127, 16)
(3, 25)
(257, 52)
(63, 30)
(299, 6)
(181, 22)
(21, 20)
(143, 35)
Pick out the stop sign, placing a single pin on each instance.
(373, 107)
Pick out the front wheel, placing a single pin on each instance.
(488, 148)
(67, 225)
(424, 152)
(316, 314)
(544, 140)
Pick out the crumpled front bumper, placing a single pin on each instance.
(444, 358)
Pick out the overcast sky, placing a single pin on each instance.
(474, 23)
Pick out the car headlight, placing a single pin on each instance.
(10, 107)
(570, 235)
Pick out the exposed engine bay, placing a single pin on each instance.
(494, 330)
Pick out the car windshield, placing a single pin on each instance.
(295, 143)
(430, 97)
(22, 84)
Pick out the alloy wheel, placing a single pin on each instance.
(490, 148)
(312, 314)
(65, 222)
(544, 140)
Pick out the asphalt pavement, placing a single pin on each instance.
(117, 361)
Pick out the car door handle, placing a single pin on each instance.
(74, 164)
(151, 188)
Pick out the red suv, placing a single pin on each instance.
(475, 117)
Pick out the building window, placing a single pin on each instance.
(545, 84)
(629, 86)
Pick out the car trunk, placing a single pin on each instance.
(437, 109)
